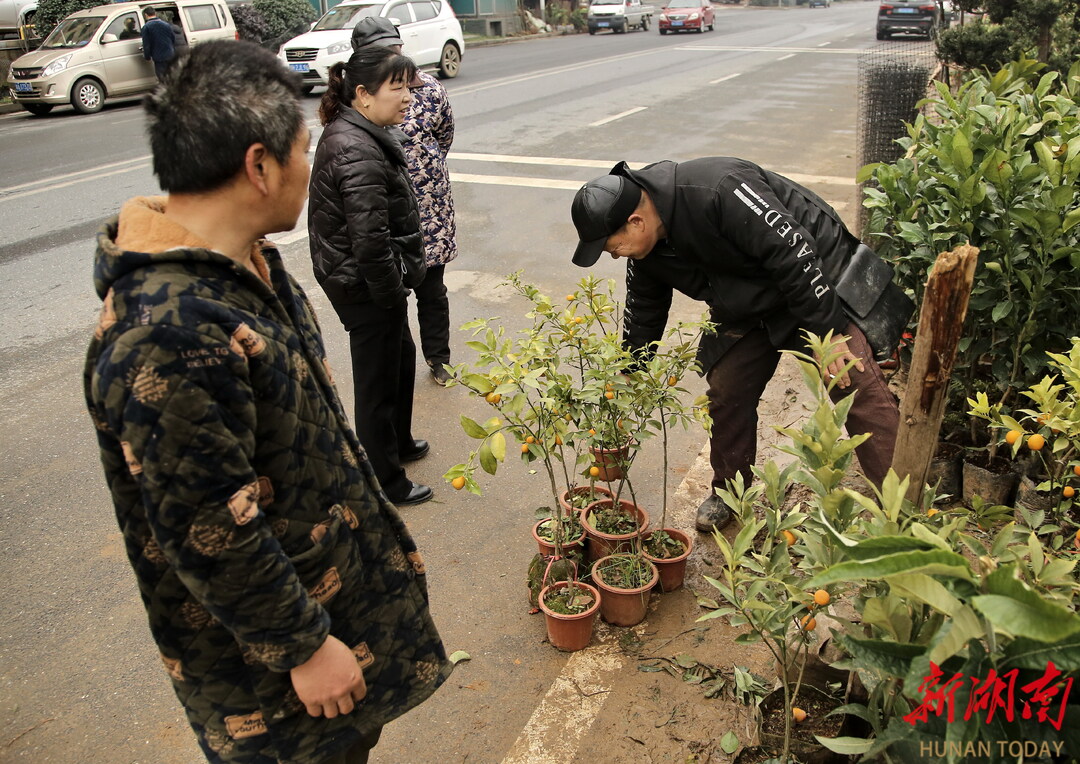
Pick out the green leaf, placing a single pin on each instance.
(1033, 654)
(1035, 619)
(961, 628)
(472, 429)
(889, 658)
(498, 446)
(729, 742)
(459, 656)
(478, 382)
(845, 745)
(931, 562)
(487, 459)
(926, 590)
(876, 546)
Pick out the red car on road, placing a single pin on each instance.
(685, 16)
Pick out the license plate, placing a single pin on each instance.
(905, 10)
(298, 67)
(23, 87)
(676, 23)
(603, 23)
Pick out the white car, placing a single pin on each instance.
(16, 13)
(429, 29)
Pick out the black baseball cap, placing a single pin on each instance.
(375, 30)
(601, 207)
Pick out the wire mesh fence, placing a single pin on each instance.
(893, 78)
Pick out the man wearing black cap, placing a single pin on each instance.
(771, 259)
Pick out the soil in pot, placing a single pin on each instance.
(581, 496)
(569, 614)
(624, 581)
(804, 746)
(995, 482)
(668, 550)
(946, 471)
(573, 535)
(612, 529)
(610, 462)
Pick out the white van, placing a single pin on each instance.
(97, 53)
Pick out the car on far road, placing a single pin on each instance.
(686, 16)
(819, 3)
(921, 17)
(618, 15)
(16, 13)
(429, 29)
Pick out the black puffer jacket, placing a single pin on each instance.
(363, 222)
(757, 247)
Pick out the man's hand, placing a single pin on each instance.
(838, 365)
(330, 681)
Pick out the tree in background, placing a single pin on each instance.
(250, 24)
(1047, 30)
(52, 12)
(284, 19)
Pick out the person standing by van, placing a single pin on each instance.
(158, 41)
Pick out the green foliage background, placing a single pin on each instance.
(52, 12)
(284, 18)
(1048, 30)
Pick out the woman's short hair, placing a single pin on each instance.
(215, 102)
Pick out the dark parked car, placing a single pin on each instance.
(908, 17)
(819, 3)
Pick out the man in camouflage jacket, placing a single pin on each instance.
(286, 597)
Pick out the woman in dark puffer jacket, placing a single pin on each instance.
(367, 249)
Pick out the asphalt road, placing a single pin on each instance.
(79, 678)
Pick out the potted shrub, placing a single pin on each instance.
(995, 167)
(625, 581)
(569, 609)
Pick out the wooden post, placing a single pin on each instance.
(941, 323)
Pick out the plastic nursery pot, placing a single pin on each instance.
(623, 607)
(610, 461)
(996, 483)
(672, 569)
(569, 632)
(602, 544)
(1032, 499)
(547, 548)
(597, 492)
(946, 470)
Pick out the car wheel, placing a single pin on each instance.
(619, 30)
(449, 61)
(592, 31)
(87, 96)
(711, 27)
(37, 109)
(663, 31)
(882, 36)
(645, 24)
(306, 89)
(701, 29)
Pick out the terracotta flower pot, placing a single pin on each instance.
(570, 632)
(596, 490)
(547, 548)
(672, 569)
(610, 461)
(623, 607)
(602, 544)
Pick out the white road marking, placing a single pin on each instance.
(789, 55)
(572, 703)
(823, 44)
(508, 180)
(92, 171)
(599, 164)
(737, 48)
(725, 78)
(96, 176)
(620, 115)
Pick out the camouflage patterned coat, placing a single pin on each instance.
(249, 511)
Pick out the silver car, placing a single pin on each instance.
(16, 13)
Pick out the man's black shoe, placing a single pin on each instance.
(712, 512)
(418, 494)
(439, 372)
(418, 451)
